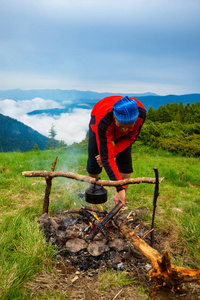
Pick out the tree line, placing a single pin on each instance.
(190, 113)
(173, 127)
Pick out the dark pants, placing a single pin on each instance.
(123, 159)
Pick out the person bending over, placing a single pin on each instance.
(114, 126)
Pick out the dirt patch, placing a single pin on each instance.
(78, 286)
(71, 284)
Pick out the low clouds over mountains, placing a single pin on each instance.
(70, 127)
(68, 110)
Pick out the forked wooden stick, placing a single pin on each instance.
(48, 188)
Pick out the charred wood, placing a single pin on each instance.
(99, 226)
(95, 210)
(109, 217)
(94, 221)
(98, 211)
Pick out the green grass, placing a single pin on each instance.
(116, 278)
(23, 251)
(112, 278)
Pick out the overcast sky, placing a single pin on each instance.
(101, 45)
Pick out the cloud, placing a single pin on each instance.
(70, 127)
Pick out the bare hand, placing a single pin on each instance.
(121, 197)
(99, 161)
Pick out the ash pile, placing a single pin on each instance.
(71, 233)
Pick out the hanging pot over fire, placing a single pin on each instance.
(96, 194)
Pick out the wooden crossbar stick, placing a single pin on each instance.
(88, 178)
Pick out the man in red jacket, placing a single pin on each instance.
(114, 126)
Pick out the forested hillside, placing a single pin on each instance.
(14, 136)
(173, 127)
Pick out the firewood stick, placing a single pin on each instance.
(54, 164)
(94, 221)
(98, 211)
(83, 207)
(89, 179)
(99, 225)
(109, 217)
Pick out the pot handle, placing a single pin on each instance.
(95, 183)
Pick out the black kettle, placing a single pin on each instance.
(96, 194)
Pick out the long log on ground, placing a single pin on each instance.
(88, 178)
(163, 272)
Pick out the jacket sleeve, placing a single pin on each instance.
(105, 145)
(129, 138)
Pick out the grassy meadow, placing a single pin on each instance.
(23, 250)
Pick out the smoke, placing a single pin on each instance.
(70, 127)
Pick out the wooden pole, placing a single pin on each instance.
(48, 188)
(88, 178)
(156, 194)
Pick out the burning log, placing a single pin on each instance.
(95, 210)
(163, 272)
(89, 179)
(94, 221)
(100, 226)
(109, 217)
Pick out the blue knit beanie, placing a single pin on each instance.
(125, 110)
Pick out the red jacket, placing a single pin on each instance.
(103, 125)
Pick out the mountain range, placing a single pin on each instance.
(60, 95)
(71, 99)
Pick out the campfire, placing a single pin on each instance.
(88, 238)
(71, 234)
